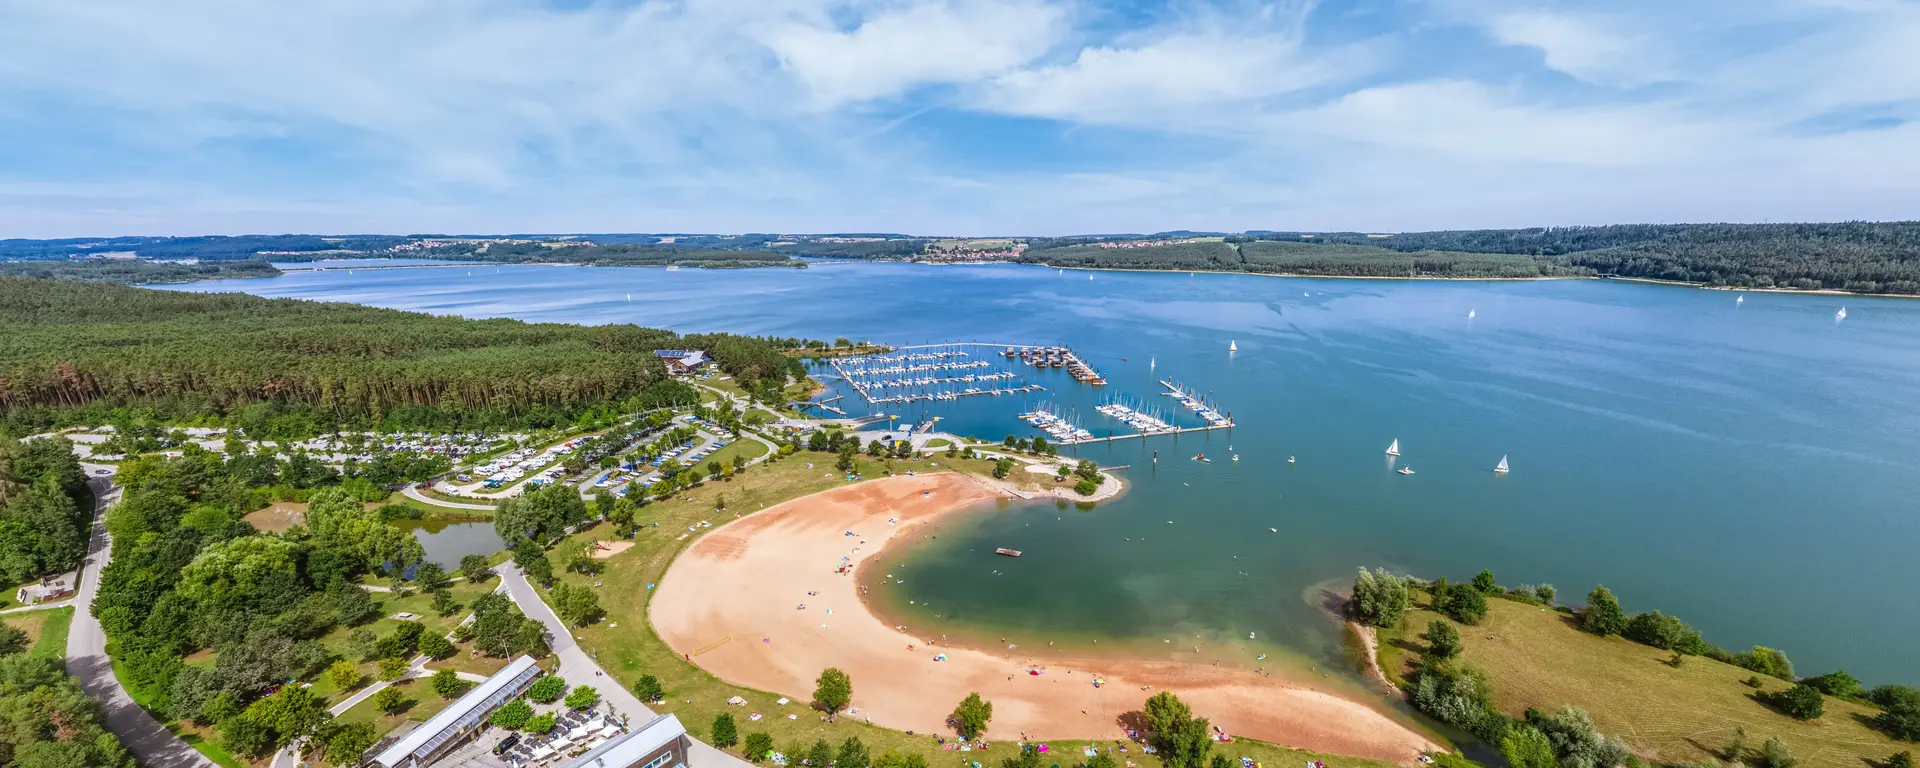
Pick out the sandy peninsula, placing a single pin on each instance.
(733, 601)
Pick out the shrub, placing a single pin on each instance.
(547, 689)
(1527, 747)
(393, 668)
(1774, 754)
(724, 730)
(1484, 582)
(853, 754)
(390, 700)
(1380, 598)
(1464, 604)
(448, 684)
(436, 647)
(1603, 616)
(1836, 683)
(582, 697)
(647, 688)
(344, 674)
(757, 745)
(1086, 487)
(540, 723)
(1802, 701)
(1665, 632)
(1766, 661)
(1577, 743)
(1456, 694)
(511, 717)
(1443, 641)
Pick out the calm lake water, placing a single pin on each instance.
(1750, 468)
(446, 542)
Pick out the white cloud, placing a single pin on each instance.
(1596, 49)
(942, 42)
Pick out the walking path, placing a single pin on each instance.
(415, 494)
(142, 735)
(577, 668)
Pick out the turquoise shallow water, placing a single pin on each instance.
(1751, 468)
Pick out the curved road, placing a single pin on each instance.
(87, 655)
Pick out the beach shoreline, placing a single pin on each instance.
(770, 599)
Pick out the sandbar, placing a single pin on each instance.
(732, 602)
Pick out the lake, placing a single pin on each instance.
(1748, 467)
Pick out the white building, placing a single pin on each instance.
(661, 743)
(461, 719)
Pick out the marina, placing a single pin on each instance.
(945, 372)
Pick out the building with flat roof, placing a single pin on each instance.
(661, 743)
(461, 719)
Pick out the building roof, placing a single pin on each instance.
(488, 694)
(629, 749)
(675, 354)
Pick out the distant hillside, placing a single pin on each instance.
(1302, 258)
(136, 271)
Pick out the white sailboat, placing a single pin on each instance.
(1394, 448)
(1502, 468)
(1470, 313)
(1741, 299)
(1150, 363)
(1233, 346)
(629, 297)
(1840, 315)
(1406, 470)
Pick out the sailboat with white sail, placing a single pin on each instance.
(1501, 468)
(1840, 315)
(1393, 449)
(1233, 346)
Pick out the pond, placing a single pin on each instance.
(447, 541)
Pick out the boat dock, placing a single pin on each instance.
(1111, 436)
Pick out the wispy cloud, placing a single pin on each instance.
(1032, 116)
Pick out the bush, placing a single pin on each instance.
(757, 745)
(540, 723)
(648, 688)
(1802, 701)
(1456, 694)
(1577, 742)
(1603, 616)
(1837, 683)
(1085, 487)
(1774, 754)
(393, 668)
(547, 689)
(582, 697)
(448, 684)
(512, 716)
(724, 730)
(1526, 747)
(344, 674)
(436, 647)
(1665, 632)
(1462, 603)
(1443, 641)
(1766, 661)
(1484, 582)
(1380, 598)
(390, 700)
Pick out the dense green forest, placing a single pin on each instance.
(45, 509)
(188, 574)
(137, 271)
(73, 353)
(50, 721)
(1866, 257)
(1299, 258)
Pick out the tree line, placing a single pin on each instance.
(90, 354)
(618, 255)
(1302, 258)
(137, 271)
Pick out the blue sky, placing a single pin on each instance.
(950, 116)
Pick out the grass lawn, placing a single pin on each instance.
(424, 704)
(631, 648)
(197, 739)
(46, 630)
(745, 447)
(939, 442)
(1539, 658)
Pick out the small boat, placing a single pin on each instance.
(1406, 470)
(1502, 468)
(1236, 457)
(1840, 315)
(1007, 552)
(1275, 530)
(1233, 346)
(1470, 314)
(1289, 459)
(1249, 635)
(1202, 457)
(1394, 449)
(1741, 299)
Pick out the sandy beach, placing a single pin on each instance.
(733, 602)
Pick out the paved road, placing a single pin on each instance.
(87, 658)
(578, 668)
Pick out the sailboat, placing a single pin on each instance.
(1502, 468)
(1840, 315)
(1741, 299)
(629, 297)
(1394, 449)
(1233, 346)
(1406, 470)
(1471, 313)
(1290, 459)
(1151, 363)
